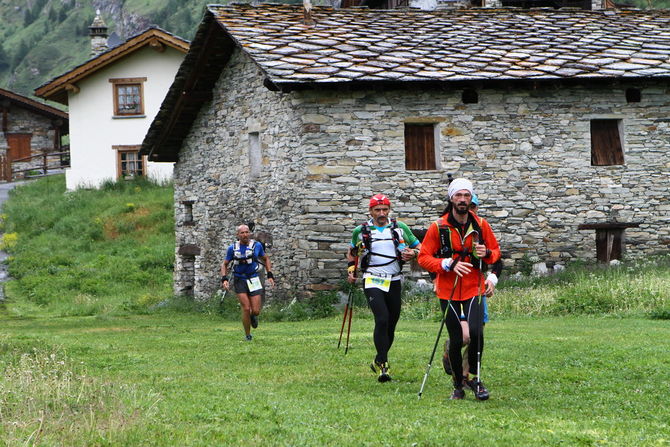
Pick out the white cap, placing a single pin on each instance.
(459, 184)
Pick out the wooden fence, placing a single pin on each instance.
(34, 166)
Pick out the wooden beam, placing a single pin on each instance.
(72, 88)
(156, 45)
(608, 226)
(196, 97)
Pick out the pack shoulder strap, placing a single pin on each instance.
(366, 236)
(444, 230)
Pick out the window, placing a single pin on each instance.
(128, 96)
(470, 96)
(606, 147)
(129, 161)
(19, 146)
(420, 147)
(188, 212)
(633, 95)
(255, 157)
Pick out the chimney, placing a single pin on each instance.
(98, 33)
(307, 12)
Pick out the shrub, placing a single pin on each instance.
(9, 241)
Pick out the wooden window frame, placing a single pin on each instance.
(19, 145)
(118, 83)
(421, 143)
(607, 147)
(119, 162)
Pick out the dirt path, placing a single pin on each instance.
(4, 195)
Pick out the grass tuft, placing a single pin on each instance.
(46, 397)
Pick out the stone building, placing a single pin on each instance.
(560, 118)
(31, 134)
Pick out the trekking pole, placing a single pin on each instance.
(351, 315)
(348, 310)
(229, 270)
(481, 319)
(344, 317)
(437, 340)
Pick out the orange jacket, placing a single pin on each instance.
(471, 284)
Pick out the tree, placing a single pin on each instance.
(21, 52)
(28, 18)
(4, 59)
(53, 15)
(62, 14)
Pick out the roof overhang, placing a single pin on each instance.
(57, 89)
(192, 88)
(59, 117)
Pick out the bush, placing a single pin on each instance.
(660, 314)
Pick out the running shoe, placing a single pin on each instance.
(249, 337)
(382, 369)
(254, 321)
(457, 394)
(384, 375)
(477, 387)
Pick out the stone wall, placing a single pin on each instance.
(214, 188)
(20, 120)
(325, 153)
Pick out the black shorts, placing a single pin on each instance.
(240, 286)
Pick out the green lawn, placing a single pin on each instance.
(185, 379)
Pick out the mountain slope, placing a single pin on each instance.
(42, 39)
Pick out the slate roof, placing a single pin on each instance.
(60, 117)
(359, 47)
(459, 45)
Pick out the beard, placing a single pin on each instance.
(461, 208)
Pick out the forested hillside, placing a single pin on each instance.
(42, 39)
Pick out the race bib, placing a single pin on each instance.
(382, 284)
(254, 284)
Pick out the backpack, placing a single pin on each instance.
(367, 244)
(446, 250)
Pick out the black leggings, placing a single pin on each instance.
(385, 307)
(469, 310)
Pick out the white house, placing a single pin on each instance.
(112, 99)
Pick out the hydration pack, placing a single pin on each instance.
(367, 246)
(446, 249)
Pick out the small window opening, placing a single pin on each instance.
(255, 157)
(633, 95)
(420, 147)
(470, 96)
(606, 146)
(188, 212)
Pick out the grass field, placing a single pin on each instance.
(191, 380)
(95, 350)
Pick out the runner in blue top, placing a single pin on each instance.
(384, 245)
(247, 255)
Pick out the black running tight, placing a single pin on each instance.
(385, 307)
(469, 310)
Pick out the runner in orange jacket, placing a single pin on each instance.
(453, 248)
